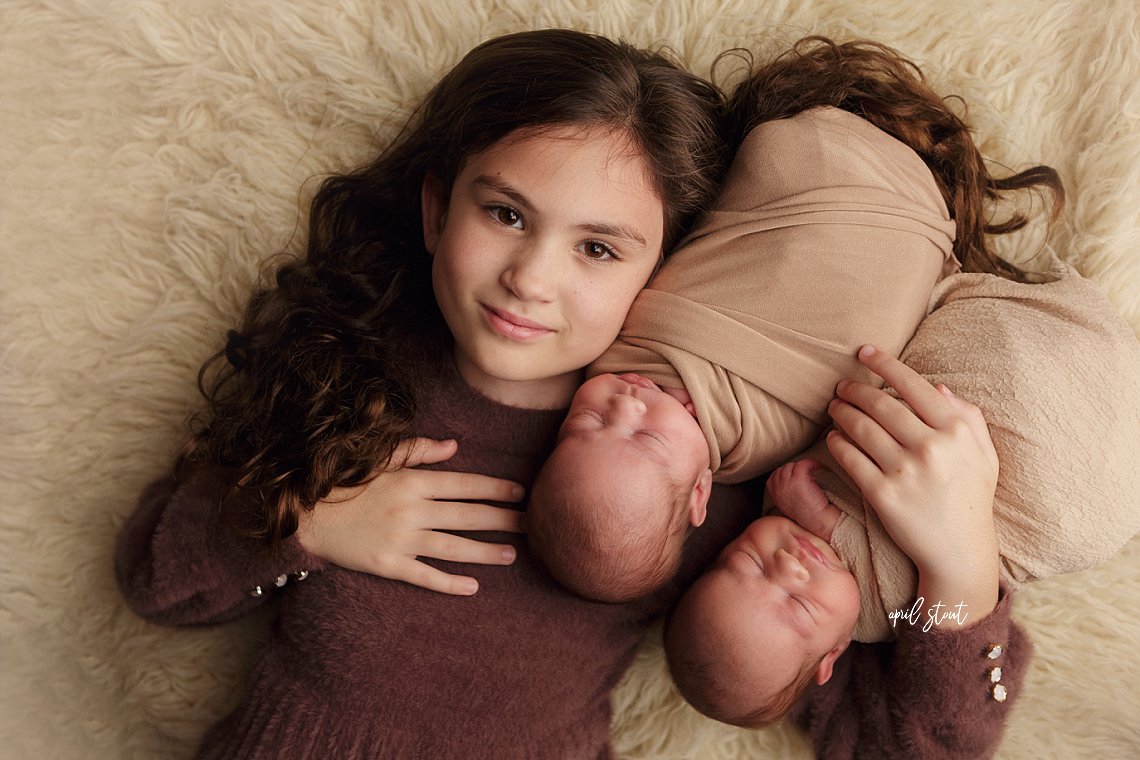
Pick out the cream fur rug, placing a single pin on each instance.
(153, 152)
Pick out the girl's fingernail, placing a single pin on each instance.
(517, 492)
(470, 587)
(508, 554)
(842, 384)
(867, 351)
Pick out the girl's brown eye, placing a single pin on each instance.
(598, 251)
(507, 216)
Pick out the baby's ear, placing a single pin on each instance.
(699, 499)
(826, 665)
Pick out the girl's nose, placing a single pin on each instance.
(531, 275)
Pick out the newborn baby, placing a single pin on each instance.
(632, 468)
(829, 234)
(771, 615)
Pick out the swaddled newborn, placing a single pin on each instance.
(1054, 371)
(829, 234)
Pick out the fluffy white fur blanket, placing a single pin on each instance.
(152, 153)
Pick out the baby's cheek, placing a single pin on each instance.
(680, 394)
(847, 591)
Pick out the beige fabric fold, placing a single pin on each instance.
(1056, 372)
(829, 234)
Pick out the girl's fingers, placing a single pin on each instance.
(456, 516)
(444, 484)
(867, 432)
(928, 404)
(468, 486)
(881, 410)
(417, 451)
(453, 548)
(866, 474)
(425, 576)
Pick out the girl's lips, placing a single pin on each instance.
(513, 326)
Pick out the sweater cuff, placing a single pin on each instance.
(260, 569)
(991, 656)
(247, 562)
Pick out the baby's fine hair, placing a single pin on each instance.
(584, 539)
(700, 677)
(317, 387)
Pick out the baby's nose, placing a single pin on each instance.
(627, 405)
(790, 566)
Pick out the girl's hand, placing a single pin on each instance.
(929, 471)
(386, 525)
(798, 497)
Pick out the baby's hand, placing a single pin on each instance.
(796, 494)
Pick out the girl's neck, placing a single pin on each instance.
(542, 393)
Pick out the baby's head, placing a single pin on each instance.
(629, 476)
(769, 617)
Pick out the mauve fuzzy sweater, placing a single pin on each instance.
(356, 666)
(929, 695)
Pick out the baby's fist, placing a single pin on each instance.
(795, 493)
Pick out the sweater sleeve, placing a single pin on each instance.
(178, 563)
(935, 694)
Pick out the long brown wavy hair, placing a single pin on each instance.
(890, 91)
(316, 389)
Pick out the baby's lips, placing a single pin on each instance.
(638, 380)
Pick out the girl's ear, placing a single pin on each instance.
(433, 205)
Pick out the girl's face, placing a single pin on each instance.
(538, 253)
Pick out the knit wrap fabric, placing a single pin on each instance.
(829, 234)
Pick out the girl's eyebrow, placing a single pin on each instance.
(496, 184)
(595, 228)
(609, 230)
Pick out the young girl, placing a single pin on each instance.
(452, 289)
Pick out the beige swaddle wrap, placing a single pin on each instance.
(1056, 372)
(829, 234)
